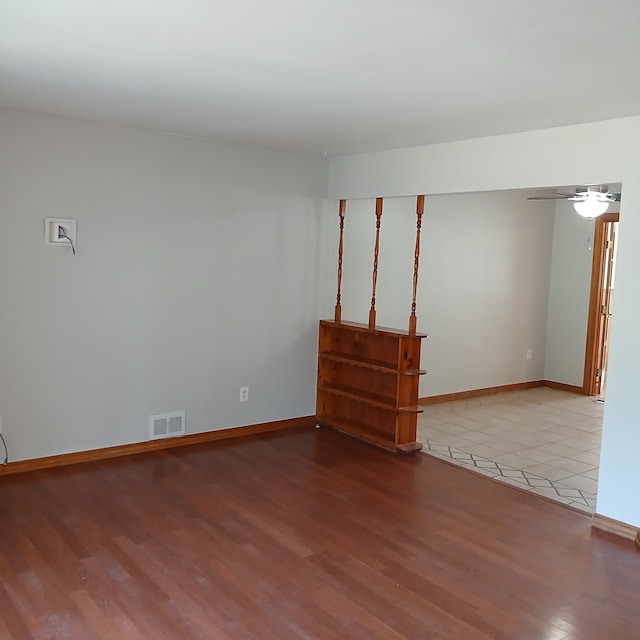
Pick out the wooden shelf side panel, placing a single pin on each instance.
(406, 427)
(407, 387)
(409, 353)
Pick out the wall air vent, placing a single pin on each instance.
(167, 425)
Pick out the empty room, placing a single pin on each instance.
(255, 256)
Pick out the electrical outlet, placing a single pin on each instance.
(57, 230)
(529, 354)
(244, 394)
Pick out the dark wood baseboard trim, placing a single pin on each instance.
(616, 527)
(564, 387)
(477, 393)
(518, 386)
(23, 466)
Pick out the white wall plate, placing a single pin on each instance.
(52, 228)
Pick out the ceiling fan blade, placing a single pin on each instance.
(599, 192)
(557, 196)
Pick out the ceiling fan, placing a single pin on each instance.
(589, 201)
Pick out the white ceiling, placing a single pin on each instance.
(335, 76)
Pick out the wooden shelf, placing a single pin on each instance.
(356, 361)
(368, 383)
(359, 326)
(370, 398)
(414, 408)
(360, 396)
(383, 367)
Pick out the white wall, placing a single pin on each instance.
(568, 296)
(594, 153)
(569, 292)
(602, 152)
(483, 285)
(195, 274)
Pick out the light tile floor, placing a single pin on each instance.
(543, 440)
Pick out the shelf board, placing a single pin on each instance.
(358, 326)
(369, 398)
(410, 447)
(417, 408)
(361, 431)
(373, 365)
(359, 361)
(360, 396)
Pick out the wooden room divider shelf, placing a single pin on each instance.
(368, 376)
(368, 383)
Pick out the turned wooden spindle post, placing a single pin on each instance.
(372, 311)
(338, 312)
(416, 264)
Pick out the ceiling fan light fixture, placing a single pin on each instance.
(591, 206)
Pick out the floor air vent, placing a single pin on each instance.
(167, 425)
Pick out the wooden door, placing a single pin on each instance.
(610, 230)
(600, 304)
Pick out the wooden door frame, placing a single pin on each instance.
(595, 304)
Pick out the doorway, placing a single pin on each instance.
(600, 304)
(544, 440)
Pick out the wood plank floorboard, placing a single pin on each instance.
(304, 534)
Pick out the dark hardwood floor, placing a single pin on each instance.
(301, 534)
